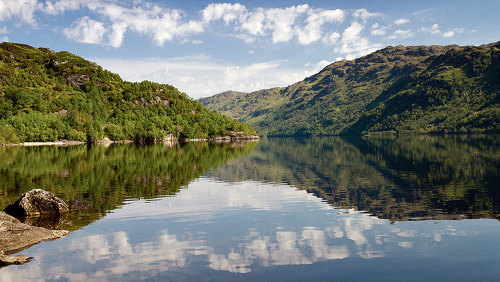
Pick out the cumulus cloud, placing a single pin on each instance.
(281, 24)
(354, 44)
(21, 10)
(448, 34)
(200, 76)
(434, 30)
(152, 20)
(60, 6)
(364, 15)
(312, 31)
(401, 21)
(254, 23)
(378, 30)
(112, 20)
(225, 11)
(86, 30)
(332, 38)
(401, 34)
(117, 34)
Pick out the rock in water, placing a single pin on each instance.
(16, 236)
(37, 202)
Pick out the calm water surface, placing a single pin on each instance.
(406, 208)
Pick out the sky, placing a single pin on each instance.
(205, 47)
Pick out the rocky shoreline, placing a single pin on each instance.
(16, 236)
(234, 137)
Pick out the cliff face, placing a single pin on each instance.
(47, 96)
(421, 89)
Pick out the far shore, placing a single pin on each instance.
(107, 141)
(55, 143)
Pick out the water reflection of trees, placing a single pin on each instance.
(97, 179)
(408, 177)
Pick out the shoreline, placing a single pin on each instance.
(106, 141)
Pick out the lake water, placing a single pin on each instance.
(415, 208)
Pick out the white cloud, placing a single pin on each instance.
(364, 15)
(117, 34)
(200, 76)
(23, 10)
(282, 21)
(4, 39)
(378, 30)
(86, 30)
(281, 24)
(401, 21)
(227, 12)
(254, 23)
(401, 34)
(112, 20)
(61, 6)
(159, 23)
(434, 30)
(312, 31)
(331, 39)
(355, 45)
(3, 30)
(448, 34)
(245, 37)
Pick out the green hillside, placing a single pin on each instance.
(419, 89)
(48, 96)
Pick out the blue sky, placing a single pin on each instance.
(206, 47)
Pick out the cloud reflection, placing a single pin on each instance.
(223, 227)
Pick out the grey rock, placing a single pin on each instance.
(16, 236)
(37, 202)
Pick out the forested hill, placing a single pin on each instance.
(48, 96)
(420, 89)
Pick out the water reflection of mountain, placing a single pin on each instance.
(408, 177)
(98, 179)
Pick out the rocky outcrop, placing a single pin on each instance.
(157, 100)
(38, 202)
(77, 79)
(16, 236)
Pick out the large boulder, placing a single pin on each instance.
(16, 236)
(38, 202)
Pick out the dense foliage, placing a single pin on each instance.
(47, 96)
(396, 178)
(420, 89)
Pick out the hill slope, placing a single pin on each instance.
(422, 89)
(47, 96)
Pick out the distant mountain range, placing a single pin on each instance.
(414, 89)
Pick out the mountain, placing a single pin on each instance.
(48, 96)
(419, 89)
